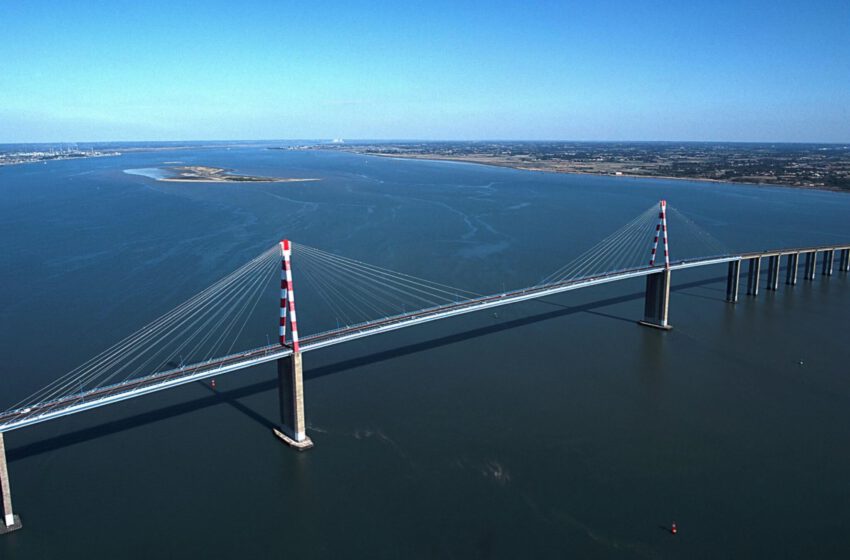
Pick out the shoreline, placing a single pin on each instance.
(589, 173)
(213, 180)
(48, 160)
(208, 174)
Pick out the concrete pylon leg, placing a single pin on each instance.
(773, 273)
(844, 265)
(754, 276)
(733, 281)
(10, 522)
(791, 273)
(657, 301)
(828, 259)
(811, 265)
(290, 381)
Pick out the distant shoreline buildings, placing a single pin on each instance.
(823, 166)
(19, 157)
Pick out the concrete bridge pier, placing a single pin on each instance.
(811, 265)
(657, 301)
(290, 381)
(793, 265)
(754, 276)
(828, 260)
(10, 521)
(773, 273)
(844, 263)
(844, 260)
(733, 281)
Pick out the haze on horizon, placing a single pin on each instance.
(758, 70)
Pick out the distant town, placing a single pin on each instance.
(825, 166)
(49, 154)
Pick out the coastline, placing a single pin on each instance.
(216, 180)
(509, 165)
(208, 174)
(48, 160)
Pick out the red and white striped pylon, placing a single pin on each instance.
(661, 229)
(283, 292)
(287, 296)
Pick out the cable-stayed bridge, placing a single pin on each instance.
(197, 339)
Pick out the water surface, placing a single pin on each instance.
(552, 428)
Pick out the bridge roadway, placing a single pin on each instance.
(102, 396)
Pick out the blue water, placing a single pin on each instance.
(554, 428)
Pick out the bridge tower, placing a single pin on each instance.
(657, 300)
(289, 369)
(10, 521)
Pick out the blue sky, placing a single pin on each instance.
(595, 70)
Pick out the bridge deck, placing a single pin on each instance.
(102, 396)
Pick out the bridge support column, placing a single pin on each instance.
(844, 265)
(754, 276)
(291, 391)
(773, 273)
(733, 281)
(793, 265)
(10, 521)
(828, 260)
(811, 265)
(657, 301)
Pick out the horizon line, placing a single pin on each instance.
(423, 140)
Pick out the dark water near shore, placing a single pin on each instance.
(557, 429)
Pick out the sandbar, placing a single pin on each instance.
(206, 174)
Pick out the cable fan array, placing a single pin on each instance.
(691, 240)
(629, 247)
(626, 248)
(207, 325)
(354, 292)
(351, 292)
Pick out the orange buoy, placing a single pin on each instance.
(674, 529)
